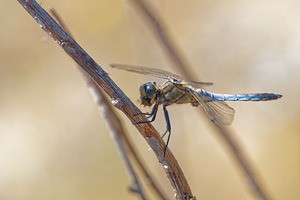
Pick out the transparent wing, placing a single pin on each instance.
(197, 83)
(148, 71)
(157, 73)
(219, 112)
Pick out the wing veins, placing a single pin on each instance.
(157, 73)
(219, 112)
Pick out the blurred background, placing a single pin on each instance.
(54, 145)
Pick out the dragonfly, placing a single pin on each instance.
(175, 90)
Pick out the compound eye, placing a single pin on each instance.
(150, 90)
(142, 90)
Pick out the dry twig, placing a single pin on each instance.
(119, 99)
(113, 122)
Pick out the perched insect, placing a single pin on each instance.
(177, 91)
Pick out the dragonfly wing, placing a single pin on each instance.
(148, 71)
(197, 83)
(158, 73)
(218, 111)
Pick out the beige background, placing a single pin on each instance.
(54, 145)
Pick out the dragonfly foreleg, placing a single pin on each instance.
(153, 114)
(168, 129)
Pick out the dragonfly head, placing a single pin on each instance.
(148, 93)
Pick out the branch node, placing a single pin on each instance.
(117, 103)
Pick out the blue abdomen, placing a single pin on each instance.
(241, 97)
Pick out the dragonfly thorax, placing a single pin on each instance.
(148, 92)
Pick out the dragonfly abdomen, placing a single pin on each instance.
(242, 97)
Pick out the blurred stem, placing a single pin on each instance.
(117, 130)
(113, 122)
(148, 176)
(118, 98)
(172, 52)
(156, 24)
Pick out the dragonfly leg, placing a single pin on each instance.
(168, 130)
(153, 114)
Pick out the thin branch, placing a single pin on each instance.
(236, 150)
(118, 98)
(113, 122)
(120, 137)
(157, 25)
(122, 142)
(148, 176)
(116, 131)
